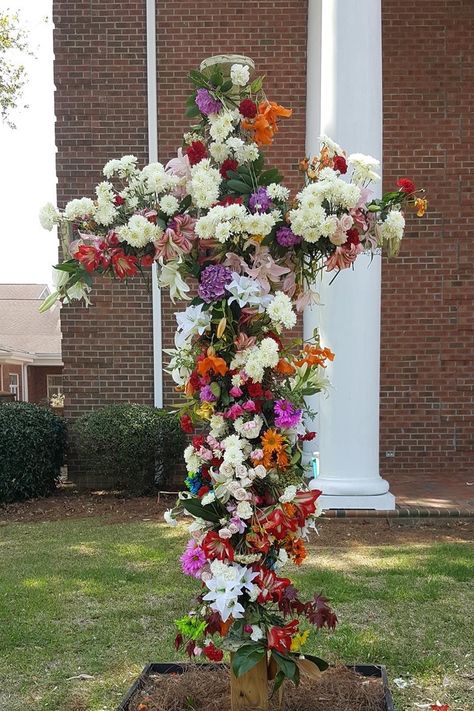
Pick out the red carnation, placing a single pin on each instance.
(248, 109)
(340, 164)
(186, 424)
(212, 653)
(228, 164)
(198, 441)
(406, 185)
(307, 437)
(119, 200)
(196, 152)
(352, 237)
(254, 389)
(229, 201)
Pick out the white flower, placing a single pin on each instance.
(219, 151)
(281, 560)
(204, 184)
(277, 192)
(157, 180)
(48, 216)
(169, 204)
(288, 494)
(123, 167)
(247, 292)
(208, 498)
(170, 277)
(256, 633)
(79, 209)
(239, 73)
(218, 426)
(260, 471)
(168, 516)
(139, 231)
(193, 462)
(220, 126)
(193, 321)
(392, 227)
(249, 429)
(106, 211)
(332, 146)
(244, 510)
(226, 584)
(249, 153)
(260, 357)
(281, 312)
(364, 167)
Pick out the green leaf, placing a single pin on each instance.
(208, 513)
(238, 186)
(320, 663)
(192, 111)
(246, 657)
(270, 176)
(258, 164)
(256, 85)
(226, 86)
(279, 679)
(287, 666)
(70, 266)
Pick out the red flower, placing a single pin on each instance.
(186, 424)
(340, 164)
(352, 237)
(278, 523)
(279, 638)
(271, 586)
(307, 437)
(228, 164)
(406, 185)
(229, 201)
(124, 264)
(215, 547)
(305, 503)
(196, 152)
(119, 200)
(147, 260)
(248, 109)
(203, 491)
(212, 653)
(254, 389)
(88, 256)
(198, 441)
(439, 707)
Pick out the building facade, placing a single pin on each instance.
(106, 57)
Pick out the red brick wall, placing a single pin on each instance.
(273, 34)
(101, 112)
(38, 382)
(427, 325)
(8, 368)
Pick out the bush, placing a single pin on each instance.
(32, 447)
(135, 447)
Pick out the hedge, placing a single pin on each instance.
(32, 449)
(134, 447)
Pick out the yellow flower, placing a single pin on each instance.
(298, 641)
(205, 410)
(221, 327)
(421, 206)
(257, 238)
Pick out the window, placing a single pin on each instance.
(15, 385)
(54, 385)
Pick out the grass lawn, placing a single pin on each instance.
(89, 597)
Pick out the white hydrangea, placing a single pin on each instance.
(281, 312)
(239, 74)
(48, 216)
(219, 151)
(169, 204)
(277, 192)
(139, 231)
(106, 212)
(79, 209)
(221, 125)
(392, 227)
(364, 167)
(122, 167)
(204, 184)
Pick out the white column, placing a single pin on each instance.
(351, 114)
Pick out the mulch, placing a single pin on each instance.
(337, 689)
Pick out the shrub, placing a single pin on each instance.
(32, 447)
(135, 447)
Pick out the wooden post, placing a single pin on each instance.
(250, 691)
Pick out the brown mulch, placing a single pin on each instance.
(117, 507)
(338, 689)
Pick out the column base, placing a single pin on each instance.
(377, 502)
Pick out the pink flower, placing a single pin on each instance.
(343, 257)
(235, 392)
(193, 560)
(249, 406)
(176, 239)
(234, 412)
(344, 223)
(234, 262)
(242, 342)
(265, 270)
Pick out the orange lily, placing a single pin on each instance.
(314, 355)
(264, 125)
(214, 363)
(284, 368)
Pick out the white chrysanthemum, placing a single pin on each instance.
(277, 192)
(259, 223)
(220, 125)
(79, 209)
(123, 167)
(169, 204)
(392, 227)
(281, 312)
(192, 461)
(364, 167)
(139, 231)
(260, 357)
(204, 184)
(249, 153)
(218, 426)
(106, 212)
(219, 151)
(48, 216)
(332, 146)
(156, 180)
(239, 74)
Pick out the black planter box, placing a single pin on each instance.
(371, 670)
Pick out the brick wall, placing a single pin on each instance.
(38, 381)
(427, 325)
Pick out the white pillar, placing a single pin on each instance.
(351, 114)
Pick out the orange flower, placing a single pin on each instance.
(264, 125)
(421, 206)
(282, 460)
(272, 111)
(296, 549)
(314, 355)
(214, 363)
(272, 441)
(289, 509)
(284, 368)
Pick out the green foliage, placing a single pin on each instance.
(32, 446)
(13, 40)
(135, 446)
(246, 657)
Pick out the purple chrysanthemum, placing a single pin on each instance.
(206, 103)
(213, 282)
(259, 201)
(287, 416)
(193, 559)
(286, 237)
(206, 394)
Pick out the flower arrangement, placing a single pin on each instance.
(216, 215)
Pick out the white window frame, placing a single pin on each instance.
(15, 386)
(53, 389)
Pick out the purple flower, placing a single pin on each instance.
(287, 416)
(259, 201)
(213, 282)
(193, 560)
(206, 394)
(286, 237)
(206, 103)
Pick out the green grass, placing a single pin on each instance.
(81, 597)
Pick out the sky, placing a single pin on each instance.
(27, 176)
